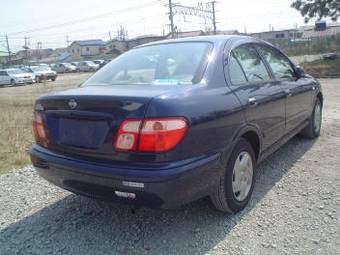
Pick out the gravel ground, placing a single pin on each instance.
(295, 209)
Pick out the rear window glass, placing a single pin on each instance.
(163, 64)
(15, 71)
(251, 63)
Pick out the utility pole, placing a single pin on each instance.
(214, 16)
(8, 50)
(26, 47)
(67, 41)
(171, 18)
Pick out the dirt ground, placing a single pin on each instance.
(295, 208)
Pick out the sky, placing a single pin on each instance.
(50, 22)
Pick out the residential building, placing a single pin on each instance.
(115, 47)
(85, 48)
(186, 34)
(4, 56)
(227, 32)
(131, 43)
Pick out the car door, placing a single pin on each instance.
(2, 77)
(261, 97)
(5, 79)
(81, 66)
(63, 68)
(57, 68)
(298, 90)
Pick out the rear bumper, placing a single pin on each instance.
(48, 76)
(165, 187)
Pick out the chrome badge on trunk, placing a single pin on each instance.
(72, 103)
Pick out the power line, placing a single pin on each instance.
(87, 28)
(84, 19)
(205, 11)
(214, 16)
(8, 50)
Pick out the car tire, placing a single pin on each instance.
(13, 82)
(312, 130)
(53, 79)
(226, 197)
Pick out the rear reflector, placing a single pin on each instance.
(39, 130)
(150, 135)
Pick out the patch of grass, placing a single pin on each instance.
(323, 68)
(16, 106)
(15, 136)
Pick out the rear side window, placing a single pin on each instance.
(251, 63)
(279, 64)
(235, 71)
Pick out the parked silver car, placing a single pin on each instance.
(16, 76)
(42, 73)
(88, 66)
(76, 64)
(64, 68)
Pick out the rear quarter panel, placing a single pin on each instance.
(214, 116)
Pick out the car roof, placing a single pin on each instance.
(207, 38)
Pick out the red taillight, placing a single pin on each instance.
(39, 130)
(150, 135)
(127, 136)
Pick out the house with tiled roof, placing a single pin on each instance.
(85, 48)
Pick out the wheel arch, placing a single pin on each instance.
(253, 135)
(320, 97)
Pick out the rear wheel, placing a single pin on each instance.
(237, 183)
(312, 130)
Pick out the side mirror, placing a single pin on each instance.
(299, 72)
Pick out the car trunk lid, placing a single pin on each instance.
(84, 121)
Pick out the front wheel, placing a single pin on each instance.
(237, 182)
(312, 130)
(12, 82)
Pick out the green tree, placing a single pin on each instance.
(318, 8)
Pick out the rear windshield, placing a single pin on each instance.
(40, 68)
(15, 71)
(162, 64)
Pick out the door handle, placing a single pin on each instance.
(252, 101)
(288, 92)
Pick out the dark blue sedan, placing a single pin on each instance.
(174, 121)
